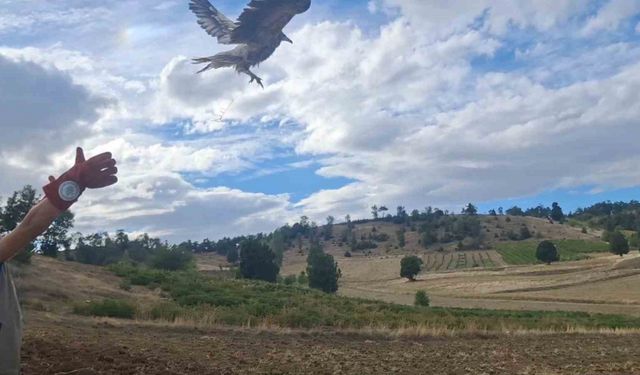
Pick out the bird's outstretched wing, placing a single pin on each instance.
(266, 17)
(213, 21)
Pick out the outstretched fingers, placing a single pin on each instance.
(79, 155)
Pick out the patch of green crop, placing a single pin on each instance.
(524, 252)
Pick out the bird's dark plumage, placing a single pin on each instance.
(258, 32)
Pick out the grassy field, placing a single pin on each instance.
(203, 300)
(524, 252)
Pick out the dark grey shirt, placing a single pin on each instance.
(10, 324)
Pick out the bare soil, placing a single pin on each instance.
(58, 345)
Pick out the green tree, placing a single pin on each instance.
(374, 212)
(470, 209)
(16, 208)
(278, 245)
(422, 299)
(122, 240)
(382, 211)
(56, 237)
(547, 252)
(328, 228)
(428, 238)
(618, 243)
(323, 271)
(515, 211)
(401, 238)
(172, 259)
(401, 215)
(556, 213)
(232, 255)
(634, 241)
(257, 261)
(410, 267)
(347, 220)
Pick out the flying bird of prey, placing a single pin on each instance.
(257, 32)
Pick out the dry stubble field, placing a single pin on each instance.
(604, 284)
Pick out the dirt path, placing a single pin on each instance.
(83, 346)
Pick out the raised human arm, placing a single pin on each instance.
(97, 172)
(34, 224)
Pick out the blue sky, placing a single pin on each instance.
(394, 102)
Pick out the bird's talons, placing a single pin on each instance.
(255, 78)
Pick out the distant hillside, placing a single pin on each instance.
(449, 233)
(609, 216)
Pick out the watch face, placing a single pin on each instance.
(69, 191)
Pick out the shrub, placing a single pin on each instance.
(511, 235)
(364, 245)
(347, 254)
(290, 280)
(410, 266)
(525, 234)
(139, 275)
(422, 299)
(547, 252)
(303, 279)
(107, 308)
(618, 244)
(172, 259)
(401, 238)
(125, 285)
(380, 237)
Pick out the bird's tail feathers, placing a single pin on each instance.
(217, 61)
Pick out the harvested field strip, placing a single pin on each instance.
(566, 285)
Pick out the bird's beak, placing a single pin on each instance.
(286, 39)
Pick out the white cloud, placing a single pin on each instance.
(410, 120)
(24, 20)
(442, 17)
(611, 14)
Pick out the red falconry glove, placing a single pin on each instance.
(95, 173)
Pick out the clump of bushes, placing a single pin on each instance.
(365, 245)
(138, 275)
(290, 280)
(111, 308)
(422, 299)
(172, 259)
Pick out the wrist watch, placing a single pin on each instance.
(69, 191)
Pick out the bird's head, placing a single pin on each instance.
(286, 38)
